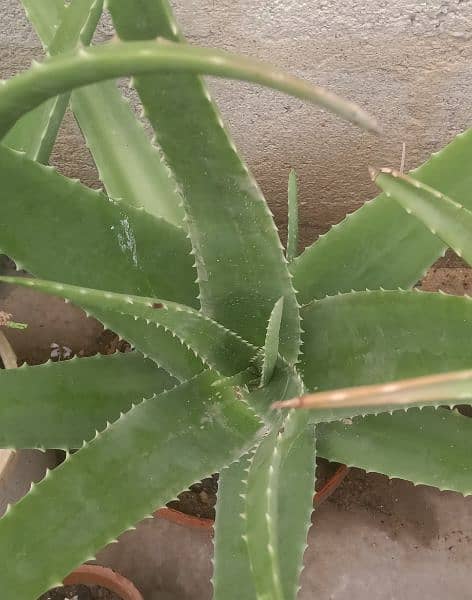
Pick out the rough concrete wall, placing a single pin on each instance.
(408, 62)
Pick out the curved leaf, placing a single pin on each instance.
(63, 73)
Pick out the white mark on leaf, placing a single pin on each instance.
(127, 240)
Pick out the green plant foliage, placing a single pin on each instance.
(216, 346)
(232, 576)
(427, 447)
(61, 28)
(380, 245)
(447, 219)
(69, 401)
(182, 259)
(122, 465)
(377, 337)
(179, 105)
(271, 346)
(292, 229)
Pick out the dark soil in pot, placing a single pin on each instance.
(80, 592)
(200, 499)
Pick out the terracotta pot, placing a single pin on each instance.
(331, 485)
(106, 578)
(175, 516)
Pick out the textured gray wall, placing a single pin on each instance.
(407, 62)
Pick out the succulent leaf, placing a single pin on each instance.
(215, 345)
(234, 240)
(363, 338)
(444, 217)
(59, 405)
(271, 346)
(232, 576)
(130, 168)
(277, 515)
(149, 256)
(128, 164)
(61, 28)
(46, 16)
(297, 452)
(379, 245)
(261, 517)
(292, 229)
(428, 446)
(68, 71)
(89, 231)
(124, 474)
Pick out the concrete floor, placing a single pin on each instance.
(374, 538)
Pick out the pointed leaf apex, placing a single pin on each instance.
(373, 172)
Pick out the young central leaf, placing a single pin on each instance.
(271, 347)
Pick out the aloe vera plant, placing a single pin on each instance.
(181, 257)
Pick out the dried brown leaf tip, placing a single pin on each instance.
(158, 305)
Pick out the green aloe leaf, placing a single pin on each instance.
(46, 16)
(444, 217)
(428, 446)
(271, 346)
(128, 165)
(232, 577)
(31, 133)
(26, 91)
(297, 455)
(279, 504)
(364, 338)
(215, 345)
(63, 73)
(59, 405)
(58, 216)
(379, 245)
(61, 27)
(228, 220)
(261, 518)
(292, 229)
(142, 461)
(280, 514)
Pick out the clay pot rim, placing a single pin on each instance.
(186, 520)
(106, 578)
